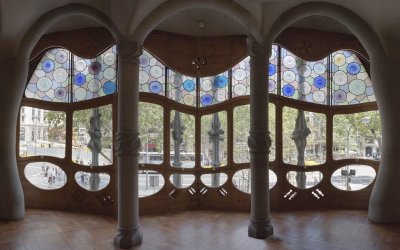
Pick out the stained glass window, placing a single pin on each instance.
(214, 89)
(304, 80)
(95, 77)
(151, 74)
(182, 88)
(54, 80)
(351, 83)
(273, 70)
(51, 79)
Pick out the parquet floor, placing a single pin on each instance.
(203, 230)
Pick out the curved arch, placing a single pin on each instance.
(169, 8)
(352, 21)
(53, 16)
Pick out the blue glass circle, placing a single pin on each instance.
(220, 81)
(80, 79)
(155, 87)
(48, 65)
(320, 82)
(109, 87)
(189, 85)
(353, 68)
(288, 90)
(271, 69)
(206, 100)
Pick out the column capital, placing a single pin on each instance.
(259, 142)
(257, 50)
(129, 51)
(127, 142)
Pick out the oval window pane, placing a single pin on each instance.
(92, 181)
(214, 180)
(45, 175)
(304, 180)
(150, 182)
(353, 177)
(242, 180)
(182, 180)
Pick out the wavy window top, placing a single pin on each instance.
(61, 76)
(338, 79)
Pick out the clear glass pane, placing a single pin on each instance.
(241, 127)
(42, 132)
(182, 140)
(92, 136)
(242, 180)
(182, 180)
(45, 175)
(357, 136)
(92, 181)
(214, 139)
(304, 180)
(150, 182)
(214, 180)
(315, 147)
(353, 177)
(151, 125)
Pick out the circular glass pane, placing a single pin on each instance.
(150, 182)
(353, 177)
(304, 180)
(45, 175)
(214, 180)
(182, 180)
(92, 181)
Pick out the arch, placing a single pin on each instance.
(352, 21)
(169, 8)
(38, 29)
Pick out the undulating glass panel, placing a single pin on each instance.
(304, 180)
(150, 182)
(303, 80)
(182, 88)
(51, 79)
(351, 83)
(357, 135)
(242, 180)
(95, 77)
(41, 132)
(151, 74)
(241, 78)
(308, 131)
(92, 181)
(182, 180)
(241, 127)
(273, 70)
(214, 180)
(45, 175)
(214, 132)
(353, 177)
(151, 130)
(92, 136)
(182, 138)
(214, 89)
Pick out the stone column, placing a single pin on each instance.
(14, 71)
(384, 204)
(127, 145)
(259, 141)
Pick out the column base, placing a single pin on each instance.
(128, 238)
(260, 229)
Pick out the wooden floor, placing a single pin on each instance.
(208, 230)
